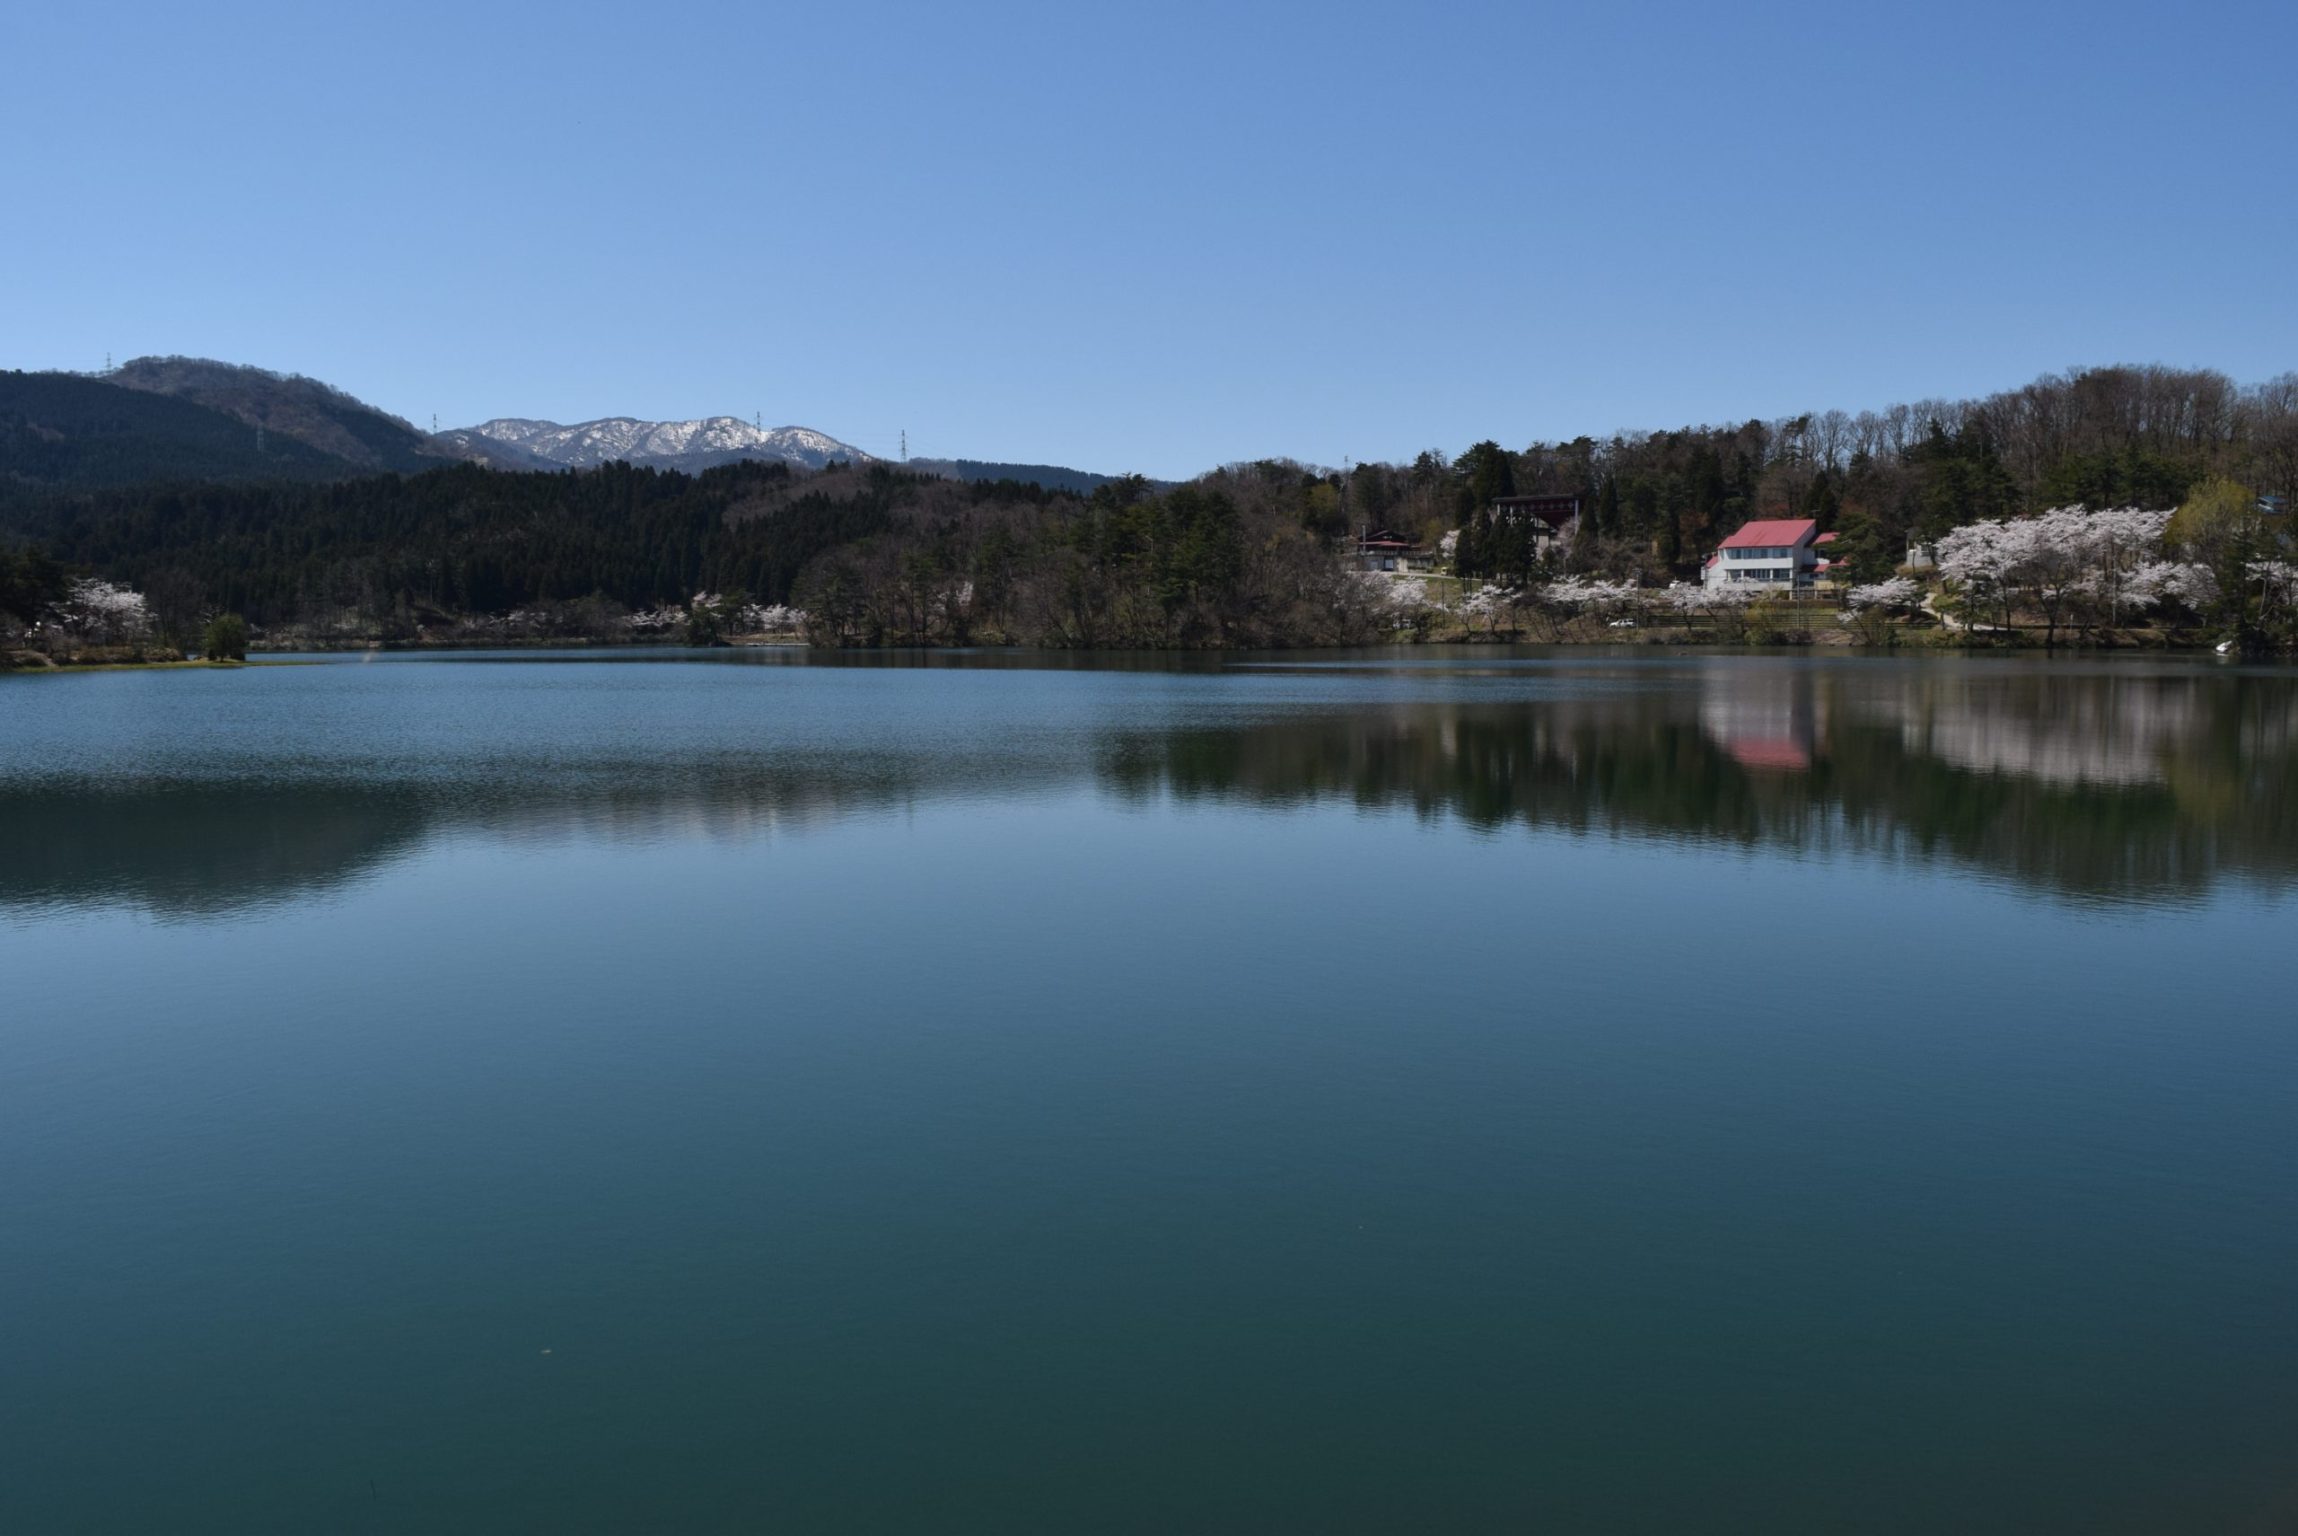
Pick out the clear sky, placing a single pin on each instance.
(1159, 237)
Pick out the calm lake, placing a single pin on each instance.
(1418, 1091)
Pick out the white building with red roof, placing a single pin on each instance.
(1774, 553)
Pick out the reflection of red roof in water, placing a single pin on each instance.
(1764, 535)
(1769, 752)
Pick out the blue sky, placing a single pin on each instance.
(1154, 238)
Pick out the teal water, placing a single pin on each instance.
(1474, 1091)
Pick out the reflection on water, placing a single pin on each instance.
(2131, 781)
(1471, 1091)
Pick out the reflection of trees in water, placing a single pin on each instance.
(2140, 787)
(2135, 784)
(199, 847)
(2067, 735)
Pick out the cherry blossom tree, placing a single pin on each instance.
(1977, 561)
(1723, 608)
(2277, 580)
(778, 618)
(2277, 594)
(2182, 582)
(1486, 603)
(1898, 592)
(1705, 599)
(2058, 561)
(101, 612)
(1589, 595)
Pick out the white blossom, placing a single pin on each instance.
(1586, 595)
(1487, 601)
(102, 611)
(1898, 592)
(778, 618)
(2061, 555)
(2178, 581)
(2278, 578)
(1697, 598)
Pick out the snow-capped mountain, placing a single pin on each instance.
(685, 445)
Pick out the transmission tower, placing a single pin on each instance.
(905, 445)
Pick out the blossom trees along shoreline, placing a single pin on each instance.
(1226, 568)
(2072, 564)
(87, 621)
(77, 619)
(2217, 564)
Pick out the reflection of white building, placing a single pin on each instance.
(1763, 717)
(1781, 553)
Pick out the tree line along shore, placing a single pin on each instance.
(2171, 485)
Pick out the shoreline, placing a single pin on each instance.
(9, 667)
(1929, 638)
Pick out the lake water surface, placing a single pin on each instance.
(1464, 1091)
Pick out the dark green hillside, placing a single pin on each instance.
(461, 540)
(62, 430)
(877, 555)
(316, 414)
(1053, 477)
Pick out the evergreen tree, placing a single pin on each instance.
(1604, 515)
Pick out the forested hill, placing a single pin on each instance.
(460, 540)
(65, 430)
(1054, 477)
(1657, 502)
(876, 555)
(316, 414)
(185, 503)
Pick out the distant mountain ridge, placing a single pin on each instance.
(195, 419)
(682, 445)
(466, 443)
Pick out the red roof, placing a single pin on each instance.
(1769, 752)
(1825, 538)
(1763, 535)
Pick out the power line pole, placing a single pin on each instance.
(905, 445)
